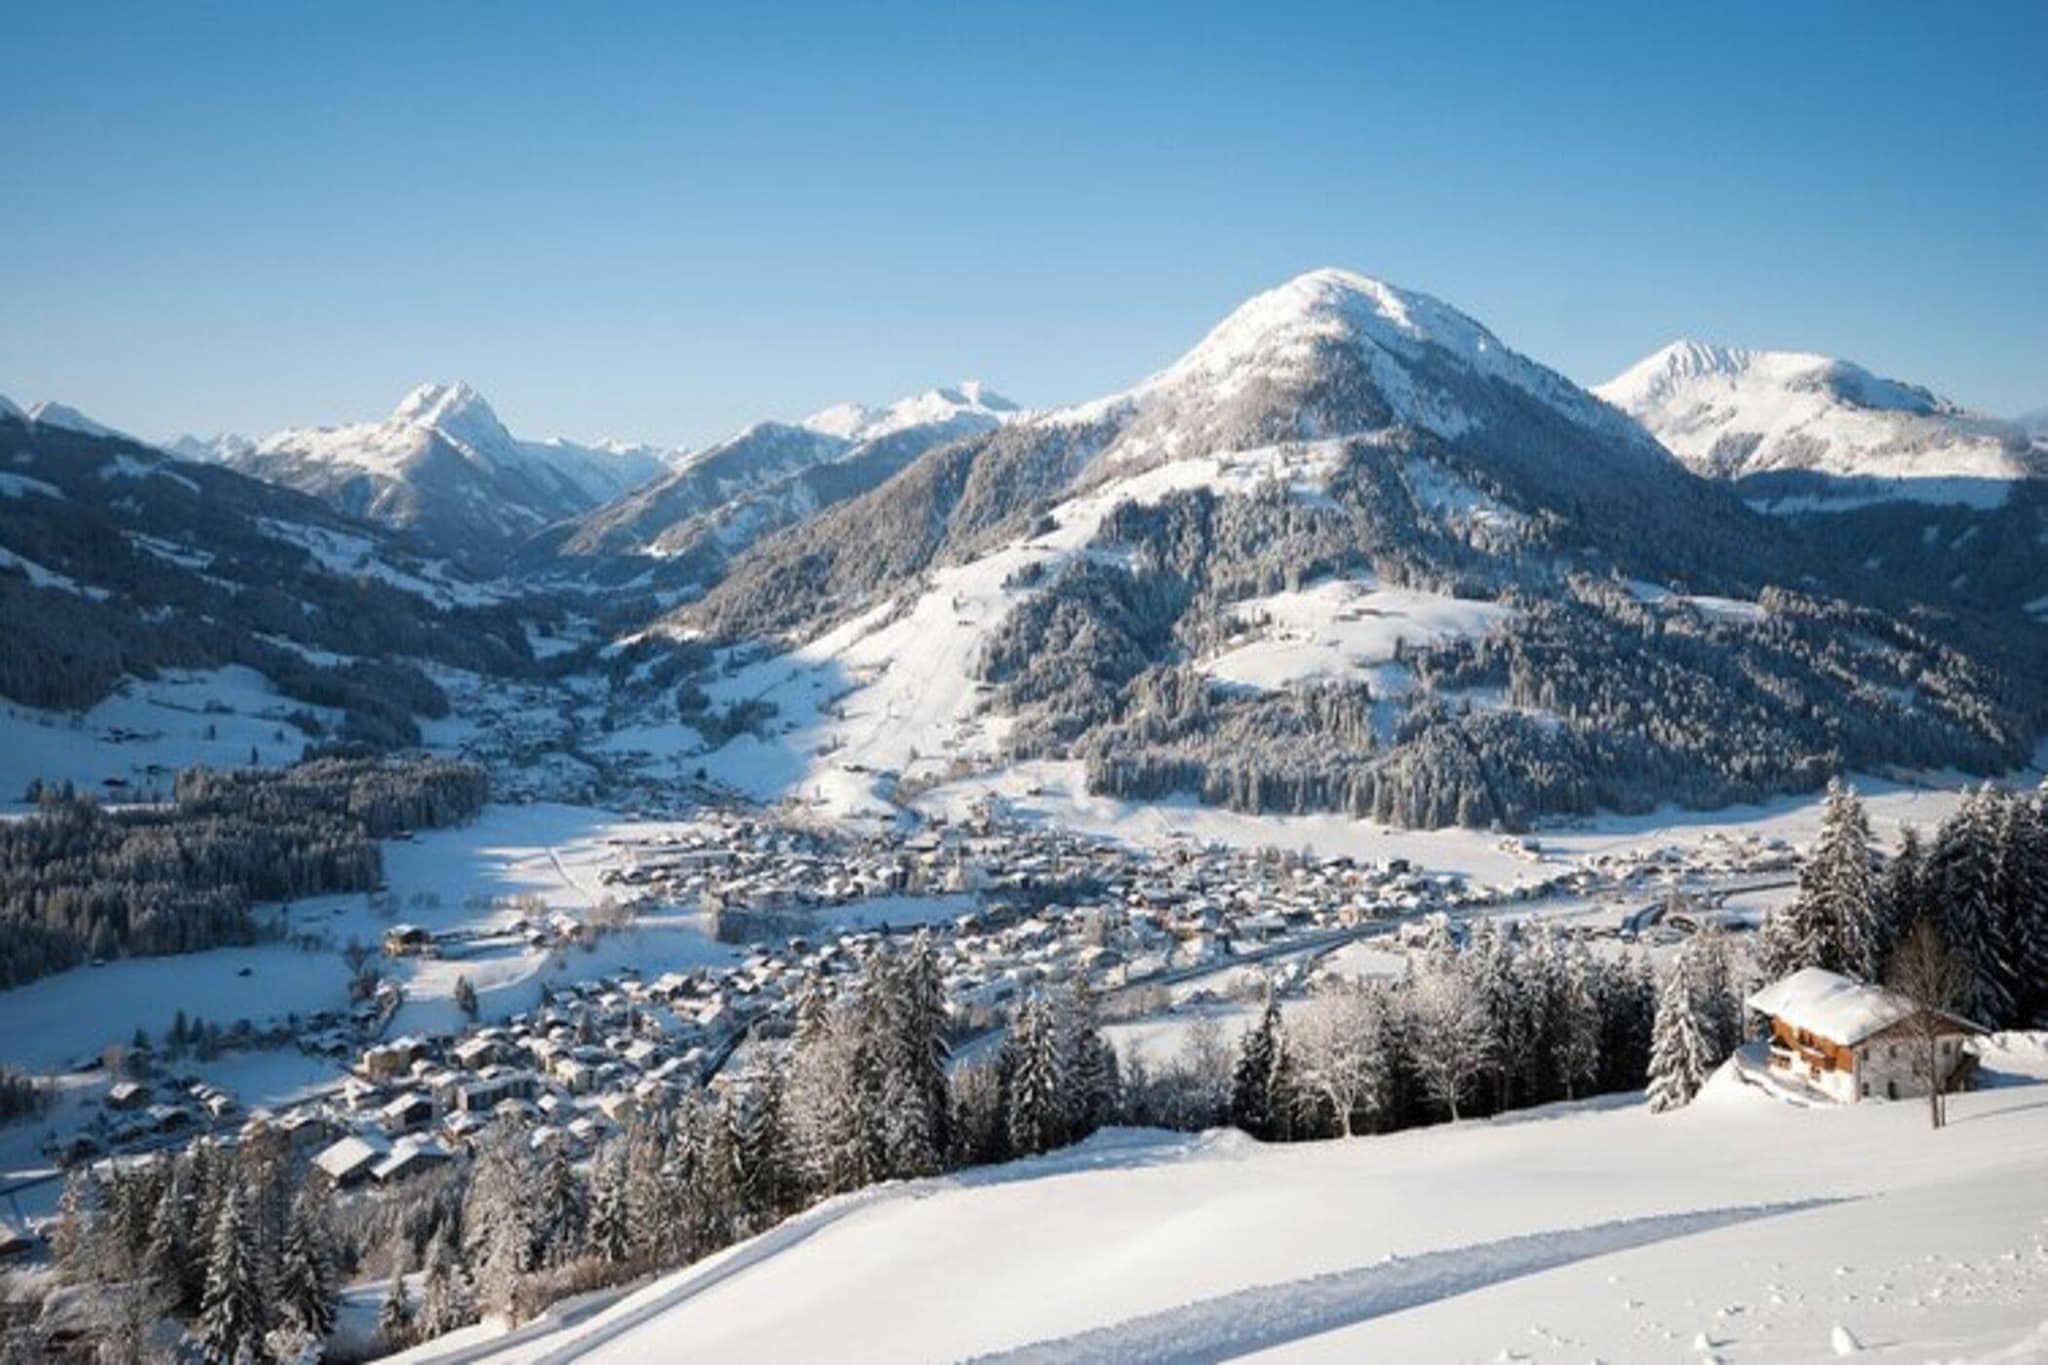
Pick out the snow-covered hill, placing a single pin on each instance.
(1740, 1229)
(50, 413)
(444, 465)
(1733, 413)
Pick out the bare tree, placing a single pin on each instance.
(1340, 1039)
(1452, 1039)
(1933, 977)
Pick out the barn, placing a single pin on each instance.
(1854, 1041)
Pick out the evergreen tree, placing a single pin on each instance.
(167, 1263)
(559, 1211)
(1037, 1089)
(1902, 892)
(305, 1284)
(1251, 1080)
(611, 1231)
(395, 1319)
(1681, 1051)
(1834, 922)
(1962, 875)
(1578, 1032)
(767, 1185)
(232, 1316)
(445, 1300)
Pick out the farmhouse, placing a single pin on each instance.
(1853, 1041)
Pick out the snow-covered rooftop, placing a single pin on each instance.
(1836, 1007)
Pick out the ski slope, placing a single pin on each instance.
(1742, 1229)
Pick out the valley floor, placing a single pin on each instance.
(1742, 1229)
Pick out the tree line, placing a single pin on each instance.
(80, 881)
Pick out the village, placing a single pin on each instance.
(1011, 907)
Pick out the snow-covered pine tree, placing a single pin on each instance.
(1094, 1082)
(767, 1187)
(1578, 1024)
(395, 1319)
(1962, 875)
(445, 1299)
(168, 1262)
(305, 1281)
(1834, 921)
(1251, 1080)
(1680, 1047)
(611, 1231)
(498, 1217)
(1902, 894)
(560, 1209)
(2022, 908)
(1037, 1088)
(232, 1313)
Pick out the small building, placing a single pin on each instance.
(1854, 1041)
(127, 1095)
(407, 940)
(406, 1113)
(409, 1158)
(348, 1161)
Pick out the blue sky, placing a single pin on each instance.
(659, 222)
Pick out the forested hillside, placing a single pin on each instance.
(79, 881)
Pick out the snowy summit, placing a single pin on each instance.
(1729, 412)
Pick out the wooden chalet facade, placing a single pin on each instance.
(1852, 1041)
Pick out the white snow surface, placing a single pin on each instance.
(1729, 412)
(1575, 1232)
(1343, 629)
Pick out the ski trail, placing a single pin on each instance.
(1264, 1316)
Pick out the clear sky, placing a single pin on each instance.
(660, 221)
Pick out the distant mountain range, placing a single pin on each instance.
(1350, 552)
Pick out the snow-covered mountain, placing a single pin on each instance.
(443, 464)
(50, 413)
(1353, 553)
(223, 447)
(969, 405)
(118, 561)
(715, 502)
(1733, 413)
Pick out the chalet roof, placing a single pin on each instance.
(1836, 1007)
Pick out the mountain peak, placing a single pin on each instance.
(968, 403)
(1729, 411)
(50, 413)
(438, 404)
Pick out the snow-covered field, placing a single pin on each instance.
(147, 731)
(1344, 629)
(1055, 792)
(442, 880)
(1741, 1229)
